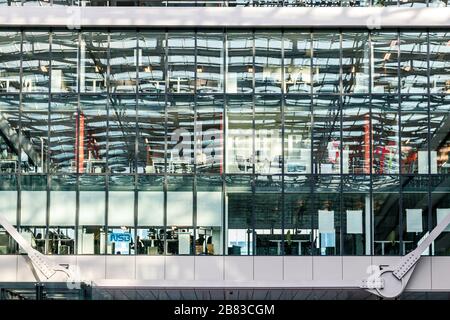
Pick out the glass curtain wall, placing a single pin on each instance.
(206, 142)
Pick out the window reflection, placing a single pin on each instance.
(326, 135)
(64, 62)
(240, 68)
(268, 74)
(10, 46)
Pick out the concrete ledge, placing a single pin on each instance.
(370, 18)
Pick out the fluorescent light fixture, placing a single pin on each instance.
(97, 69)
(387, 56)
(43, 68)
(148, 69)
(199, 69)
(250, 69)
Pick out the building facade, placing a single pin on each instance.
(230, 140)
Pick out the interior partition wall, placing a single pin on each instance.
(224, 142)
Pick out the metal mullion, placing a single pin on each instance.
(224, 140)
(312, 171)
(194, 162)
(19, 169)
(429, 189)
(166, 73)
(136, 143)
(341, 147)
(253, 179)
(283, 92)
(45, 164)
(77, 195)
(399, 141)
(107, 174)
(371, 227)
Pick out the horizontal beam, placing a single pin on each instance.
(370, 18)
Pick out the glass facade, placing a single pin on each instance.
(229, 3)
(213, 142)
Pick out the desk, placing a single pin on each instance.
(294, 240)
(383, 242)
(8, 164)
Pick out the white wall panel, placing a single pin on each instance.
(298, 268)
(179, 268)
(268, 268)
(120, 267)
(8, 265)
(150, 268)
(327, 268)
(239, 268)
(209, 268)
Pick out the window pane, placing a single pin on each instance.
(439, 138)
(415, 212)
(180, 134)
(439, 62)
(385, 62)
(268, 132)
(356, 217)
(122, 134)
(297, 62)
(413, 62)
(124, 55)
(385, 127)
(297, 215)
(181, 62)
(210, 132)
(326, 134)
(9, 141)
(268, 209)
(297, 134)
(386, 223)
(355, 62)
(93, 130)
(356, 135)
(239, 215)
(64, 62)
(326, 213)
(209, 62)
(10, 43)
(35, 62)
(326, 57)
(64, 151)
(240, 68)
(414, 133)
(209, 235)
(152, 59)
(268, 62)
(151, 134)
(239, 139)
(35, 129)
(94, 63)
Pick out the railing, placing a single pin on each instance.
(228, 3)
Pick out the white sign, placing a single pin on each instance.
(414, 220)
(354, 222)
(326, 221)
(441, 214)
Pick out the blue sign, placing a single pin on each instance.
(120, 237)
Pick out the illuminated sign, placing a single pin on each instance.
(120, 237)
